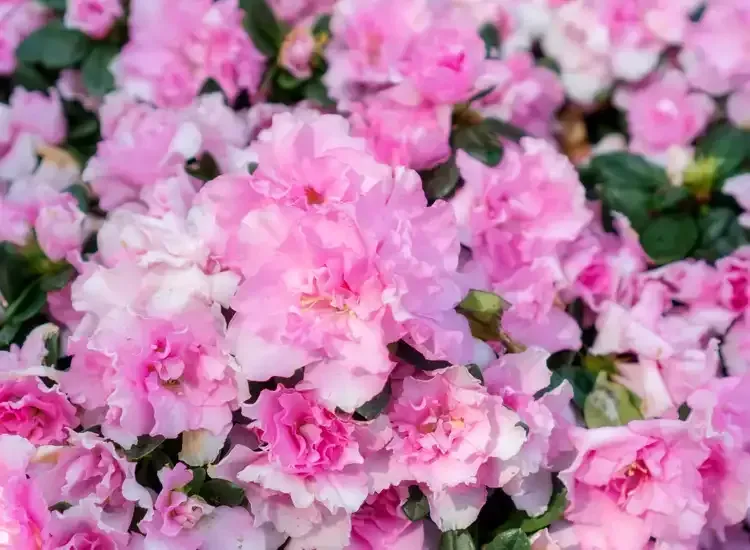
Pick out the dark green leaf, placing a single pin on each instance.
(220, 492)
(491, 38)
(63, 364)
(146, 445)
(81, 194)
(457, 540)
(513, 539)
(262, 26)
(554, 512)
(698, 13)
(404, 351)
(376, 405)
(8, 332)
(416, 507)
(720, 234)
(483, 311)
(54, 46)
(252, 167)
(88, 128)
(60, 507)
(322, 25)
(58, 5)
(480, 141)
(205, 168)
(52, 345)
(669, 238)
(199, 478)
(315, 90)
(29, 303)
(210, 86)
(631, 202)
(684, 411)
(729, 145)
(628, 171)
(95, 69)
(504, 129)
(581, 380)
(669, 198)
(476, 372)
(441, 182)
(29, 77)
(609, 404)
(287, 81)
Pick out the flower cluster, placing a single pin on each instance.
(384, 274)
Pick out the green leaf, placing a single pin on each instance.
(60, 507)
(582, 381)
(514, 539)
(720, 234)
(376, 405)
(252, 167)
(29, 303)
(220, 492)
(262, 26)
(555, 510)
(287, 81)
(52, 345)
(684, 411)
(416, 507)
(729, 145)
(625, 170)
(81, 194)
(504, 129)
(196, 484)
(609, 404)
(633, 203)
(480, 141)
(457, 540)
(315, 90)
(441, 182)
(491, 38)
(669, 238)
(483, 311)
(210, 86)
(97, 77)
(404, 351)
(58, 5)
(54, 46)
(88, 128)
(8, 333)
(322, 25)
(205, 168)
(146, 445)
(476, 372)
(600, 363)
(669, 198)
(481, 95)
(29, 77)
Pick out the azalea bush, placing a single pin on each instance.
(374, 274)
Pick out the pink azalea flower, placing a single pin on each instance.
(444, 61)
(523, 94)
(381, 523)
(447, 427)
(24, 514)
(664, 114)
(89, 469)
(293, 11)
(402, 129)
(158, 138)
(28, 360)
(18, 19)
(518, 378)
(720, 414)
(32, 410)
(93, 17)
(739, 188)
(735, 349)
(634, 482)
(308, 458)
(80, 528)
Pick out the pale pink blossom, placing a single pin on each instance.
(93, 17)
(292, 11)
(735, 348)
(381, 523)
(633, 482)
(369, 42)
(720, 414)
(60, 227)
(24, 514)
(81, 528)
(444, 61)
(88, 468)
(447, 427)
(297, 51)
(664, 113)
(32, 410)
(402, 129)
(739, 188)
(18, 19)
(29, 360)
(522, 94)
